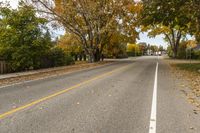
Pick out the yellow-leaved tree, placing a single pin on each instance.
(92, 21)
(71, 44)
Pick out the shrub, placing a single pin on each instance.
(57, 57)
(196, 54)
(132, 54)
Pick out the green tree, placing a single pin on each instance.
(161, 48)
(22, 39)
(154, 48)
(192, 11)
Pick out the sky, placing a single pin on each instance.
(158, 40)
(13, 3)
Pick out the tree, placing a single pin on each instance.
(116, 47)
(154, 48)
(22, 40)
(143, 48)
(92, 21)
(161, 49)
(192, 11)
(71, 44)
(133, 49)
(184, 49)
(168, 18)
(172, 35)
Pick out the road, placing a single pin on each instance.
(128, 96)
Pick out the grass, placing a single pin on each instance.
(194, 67)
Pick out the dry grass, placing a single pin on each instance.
(182, 69)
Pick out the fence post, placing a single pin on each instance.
(3, 67)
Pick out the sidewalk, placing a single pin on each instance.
(32, 72)
(43, 73)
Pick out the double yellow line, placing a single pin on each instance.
(58, 93)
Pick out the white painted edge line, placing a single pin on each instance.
(53, 76)
(152, 126)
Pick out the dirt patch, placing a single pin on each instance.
(44, 73)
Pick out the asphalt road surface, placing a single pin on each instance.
(128, 96)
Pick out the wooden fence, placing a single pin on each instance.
(3, 67)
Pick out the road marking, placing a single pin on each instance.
(59, 93)
(152, 127)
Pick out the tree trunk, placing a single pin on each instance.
(174, 40)
(80, 57)
(84, 57)
(75, 57)
(175, 50)
(97, 55)
(102, 57)
(91, 58)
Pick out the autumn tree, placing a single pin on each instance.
(171, 35)
(143, 48)
(116, 47)
(133, 49)
(168, 18)
(92, 21)
(71, 44)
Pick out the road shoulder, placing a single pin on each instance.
(189, 82)
(175, 112)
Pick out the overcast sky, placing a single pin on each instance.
(143, 36)
(13, 3)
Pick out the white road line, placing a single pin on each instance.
(152, 127)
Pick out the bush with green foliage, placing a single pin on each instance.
(58, 57)
(196, 55)
(22, 40)
(25, 42)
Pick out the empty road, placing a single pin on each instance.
(128, 96)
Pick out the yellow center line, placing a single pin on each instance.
(58, 93)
